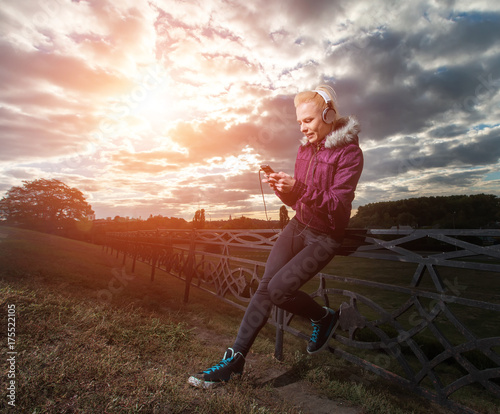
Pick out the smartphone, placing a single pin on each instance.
(267, 169)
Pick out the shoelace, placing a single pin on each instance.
(220, 365)
(314, 336)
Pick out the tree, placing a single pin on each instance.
(199, 219)
(457, 211)
(45, 205)
(406, 219)
(284, 219)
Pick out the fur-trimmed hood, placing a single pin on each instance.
(346, 132)
(326, 175)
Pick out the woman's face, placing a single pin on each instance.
(311, 123)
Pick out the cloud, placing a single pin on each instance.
(161, 107)
(66, 72)
(462, 179)
(150, 162)
(483, 150)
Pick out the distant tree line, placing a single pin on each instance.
(119, 223)
(199, 222)
(445, 212)
(49, 205)
(52, 206)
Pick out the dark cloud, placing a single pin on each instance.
(409, 156)
(384, 162)
(473, 32)
(392, 93)
(485, 150)
(456, 180)
(448, 131)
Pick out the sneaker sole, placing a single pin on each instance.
(328, 340)
(206, 385)
(198, 383)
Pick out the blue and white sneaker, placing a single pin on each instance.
(231, 364)
(323, 331)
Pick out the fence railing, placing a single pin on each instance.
(418, 307)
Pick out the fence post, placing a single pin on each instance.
(125, 248)
(136, 248)
(154, 261)
(188, 270)
(278, 346)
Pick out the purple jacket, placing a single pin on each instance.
(326, 176)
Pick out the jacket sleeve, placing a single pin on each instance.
(335, 201)
(290, 199)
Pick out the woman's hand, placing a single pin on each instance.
(281, 182)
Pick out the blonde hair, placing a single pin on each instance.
(312, 96)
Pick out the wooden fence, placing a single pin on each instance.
(425, 313)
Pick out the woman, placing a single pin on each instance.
(327, 169)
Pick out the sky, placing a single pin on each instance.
(164, 107)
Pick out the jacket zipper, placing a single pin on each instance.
(307, 176)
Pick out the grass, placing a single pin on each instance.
(80, 353)
(91, 337)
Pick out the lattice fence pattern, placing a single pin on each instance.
(435, 330)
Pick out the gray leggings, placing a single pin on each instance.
(297, 256)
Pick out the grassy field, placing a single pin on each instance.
(91, 337)
(462, 283)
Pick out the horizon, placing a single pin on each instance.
(164, 108)
(289, 209)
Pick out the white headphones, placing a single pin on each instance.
(329, 113)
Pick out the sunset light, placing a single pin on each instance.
(164, 107)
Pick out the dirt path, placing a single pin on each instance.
(287, 385)
(298, 391)
(310, 403)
